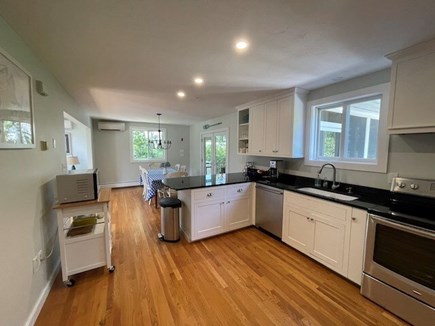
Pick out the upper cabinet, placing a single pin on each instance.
(276, 125)
(412, 100)
(243, 130)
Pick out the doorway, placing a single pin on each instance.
(214, 152)
(78, 142)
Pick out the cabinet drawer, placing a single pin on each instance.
(238, 191)
(314, 205)
(209, 194)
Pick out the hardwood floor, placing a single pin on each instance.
(240, 278)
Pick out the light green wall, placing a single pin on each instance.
(27, 220)
(112, 153)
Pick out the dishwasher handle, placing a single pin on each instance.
(270, 189)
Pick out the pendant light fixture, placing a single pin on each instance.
(160, 143)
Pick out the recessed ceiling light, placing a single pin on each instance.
(198, 81)
(242, 45)
(181, 94)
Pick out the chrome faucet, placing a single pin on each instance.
(334, 184)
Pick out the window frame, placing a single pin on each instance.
(147, 129)
(312, 130)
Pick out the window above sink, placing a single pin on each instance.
(350, 130)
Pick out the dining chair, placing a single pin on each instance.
(177, 167)
(168, 192)
(144, 175)
(183, 168)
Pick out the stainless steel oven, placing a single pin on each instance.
(399, 263)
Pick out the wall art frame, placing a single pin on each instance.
(17, 129)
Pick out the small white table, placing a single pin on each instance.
(86, 251)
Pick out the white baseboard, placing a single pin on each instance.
(121, 185)
(42, 297)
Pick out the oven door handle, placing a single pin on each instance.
(402, 226)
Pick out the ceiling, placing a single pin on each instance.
(127, 59)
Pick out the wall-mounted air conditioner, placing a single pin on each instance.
(110, 125)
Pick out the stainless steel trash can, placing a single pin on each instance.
(169, 219)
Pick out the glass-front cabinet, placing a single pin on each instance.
(273, 126)
(243, 136)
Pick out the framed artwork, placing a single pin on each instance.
(16, 107)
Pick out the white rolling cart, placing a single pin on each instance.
(90, 250)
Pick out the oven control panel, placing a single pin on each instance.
(418, 187)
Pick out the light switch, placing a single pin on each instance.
(44, 145)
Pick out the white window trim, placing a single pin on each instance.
(380, 165)
(135, 128)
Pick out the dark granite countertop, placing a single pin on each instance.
(203, 181)
(367, 197)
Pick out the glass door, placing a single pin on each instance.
(214, 148)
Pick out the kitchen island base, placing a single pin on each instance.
(215, 210)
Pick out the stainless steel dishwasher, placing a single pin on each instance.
(268, 209)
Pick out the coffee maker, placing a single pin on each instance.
(274, 167)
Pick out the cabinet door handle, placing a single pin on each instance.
(311, 219)
(353, 218)
(222, 203)
(308, 218)
(239, 190)
(209, 194)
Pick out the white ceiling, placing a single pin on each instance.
(127, 59)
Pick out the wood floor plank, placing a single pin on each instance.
(241, 278)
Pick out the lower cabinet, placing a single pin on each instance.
(215, 210)
(318, 228)
(330, 233)
(212, 218)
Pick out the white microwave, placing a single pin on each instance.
(77, 185)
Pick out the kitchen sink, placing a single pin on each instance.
(328, 194)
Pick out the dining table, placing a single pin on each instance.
(154, 181)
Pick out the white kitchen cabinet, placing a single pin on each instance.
(276, 125)
(271, 118)
(285, 127)
(257, 115)
(211, 221)
(215, 210)
(357, 244)
(318, 228)
(298, 230)
(412, 95)
(238, 206)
